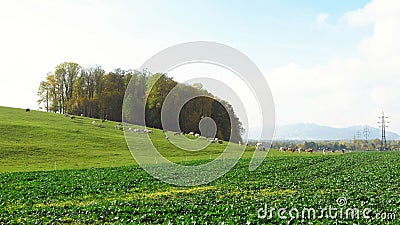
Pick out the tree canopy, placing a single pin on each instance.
(93, 92)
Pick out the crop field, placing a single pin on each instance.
(368, 182)
(54, 170)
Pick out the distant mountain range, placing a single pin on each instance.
(310, 131)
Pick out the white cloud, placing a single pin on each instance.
(384, 16)
(345, 92)
(321, 18)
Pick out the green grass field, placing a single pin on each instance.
(54, 170)
(46, 141)
(40, 141)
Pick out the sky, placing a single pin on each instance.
(334, 63)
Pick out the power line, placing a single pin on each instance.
(357, 141)
(366, 133)
(383, 126)
(358, 135)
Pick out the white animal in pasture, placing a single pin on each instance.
(260, 146)
(147, 131)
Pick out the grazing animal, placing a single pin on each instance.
(27, 110)
(323, 151)
(260, 146)
(220, 142)
(211, 141)
(82, 115)
(191, 133)
(342, 151)
(136, 130)
(147, 131)
(197, 135)
(309, 150)
(299, 150)
(282, 149)
(118, 127)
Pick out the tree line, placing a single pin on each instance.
(363, 145)
(95, 93)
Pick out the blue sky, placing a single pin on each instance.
(275, 32)
(319, 57)
(282, 30)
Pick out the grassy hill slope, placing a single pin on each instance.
(42, 141)
(32, 141)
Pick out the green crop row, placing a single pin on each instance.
(368, 182)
